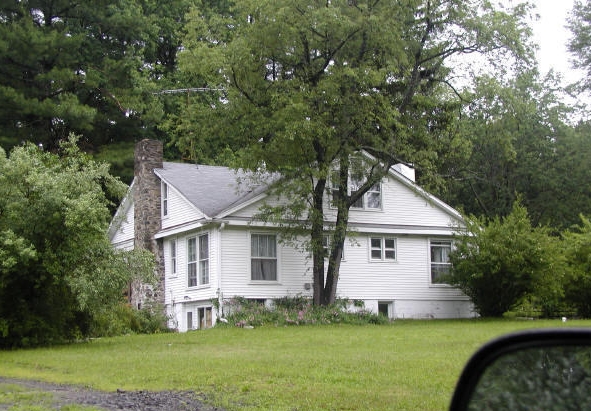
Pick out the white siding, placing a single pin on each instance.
(179, 210)
(404, 282)
(401, 206)
(179, 295)
(235, 256)
(123, 235)
(406, 278)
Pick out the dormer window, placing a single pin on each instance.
(371, 200)
(164, 199)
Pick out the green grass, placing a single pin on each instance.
(15, 397)
(408, 365)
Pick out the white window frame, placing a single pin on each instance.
(164, 196)
(363, 202)
(326, 247)
(198, 261)
(203, 258)
(173, 248)
(253, 258)
(442, 243)
(383, 248)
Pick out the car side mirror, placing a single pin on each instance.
(547, 369)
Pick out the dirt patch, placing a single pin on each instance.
(115, 401)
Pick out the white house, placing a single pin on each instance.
(200, 226)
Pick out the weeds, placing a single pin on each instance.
(298, 310)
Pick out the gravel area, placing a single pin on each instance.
(114, 401)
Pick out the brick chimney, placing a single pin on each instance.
(147, 218)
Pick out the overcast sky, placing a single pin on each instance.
(551, 35)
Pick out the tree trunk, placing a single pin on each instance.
(317, 233)
(329, 289)
(335, 258)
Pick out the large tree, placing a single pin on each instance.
(58, 269)
(579, 23)
(310, 84)
(88, 67)
(521, 146)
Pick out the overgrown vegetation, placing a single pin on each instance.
(122, 319)
(507, 265)
(299, 310)
(59, 274)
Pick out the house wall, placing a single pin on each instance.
(180, 210)
(401, 207)
(180, 298)
(293, 272)
(123, 236)
(404, 284)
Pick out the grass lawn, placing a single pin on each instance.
(408, 365)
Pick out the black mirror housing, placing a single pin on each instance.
(544, 369)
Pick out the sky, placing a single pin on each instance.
(552, 35)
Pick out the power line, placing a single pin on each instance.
(188, 90)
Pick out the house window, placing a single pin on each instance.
(326, 247)
(263, 261)
(371, 200)
(440, 263)
(164, 199)
(173, 256)
(198, 260)
(383, 248)
(385, 308)
(190, 324)
(355, 181)
(204, 314)
(204, 259)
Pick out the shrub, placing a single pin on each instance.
(123, 319)
(292, 311)
(501, 262)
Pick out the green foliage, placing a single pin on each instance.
(521, 147)
(579, 23)
(299, 310)
(86, 67)
(502, 261)
(121, 319)
(577, 242)
(58, 267)
(308, 85)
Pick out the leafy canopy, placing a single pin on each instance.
(58, 268)
(309, 84)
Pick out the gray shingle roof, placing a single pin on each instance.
(212, 189)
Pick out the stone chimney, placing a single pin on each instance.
(147, 218)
